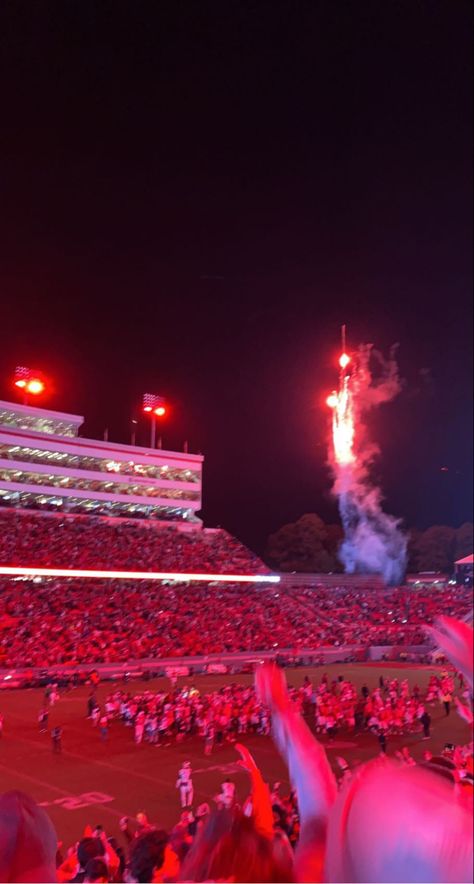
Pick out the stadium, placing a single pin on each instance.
(236, 612)
(127, 627)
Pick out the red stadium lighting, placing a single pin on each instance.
(153, 405)
(30, 381)
(332, 400)
(35, 386)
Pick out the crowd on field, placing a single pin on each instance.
(270, 837)
(160, 717)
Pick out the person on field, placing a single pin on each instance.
(56, 737)
(185, 785)
(426, 722)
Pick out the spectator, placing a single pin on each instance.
(151, 859)
(28, 842)
(96, 871)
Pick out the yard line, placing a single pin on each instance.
(44, 785)
(107, 764)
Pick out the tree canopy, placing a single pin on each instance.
(309, 545)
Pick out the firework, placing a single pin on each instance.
(373, 541)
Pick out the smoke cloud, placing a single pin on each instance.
(373, 540)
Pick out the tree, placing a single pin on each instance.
(435, 549)
(414, 539)
(307, 545)
(464, 544)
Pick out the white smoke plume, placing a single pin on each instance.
(373, 540)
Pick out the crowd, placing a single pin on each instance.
(86, 622)
(225, 715)
(256, 840)
(381, 821)
(57, 541)
(81, 622)
(159, 717)
(267, 822)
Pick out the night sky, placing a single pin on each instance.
(195, 196)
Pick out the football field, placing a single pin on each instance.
(95, 782)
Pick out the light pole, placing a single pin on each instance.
(30, 381)
(153, 405)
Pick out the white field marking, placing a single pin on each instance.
(223, 768)
(98, 763)
(44, 785)
(76, 802)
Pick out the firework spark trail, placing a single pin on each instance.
(373, 541)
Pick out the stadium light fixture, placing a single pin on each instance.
(29, 381)
(10, 571)
(155, 406)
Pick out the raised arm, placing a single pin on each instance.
(309, 770)
(261, 804)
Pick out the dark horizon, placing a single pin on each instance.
(196, 198)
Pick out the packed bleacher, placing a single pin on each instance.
(90, 621)
(48, 540)
(308, 834)
(86, 621)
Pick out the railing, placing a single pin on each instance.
(349, 581)
(231, 663)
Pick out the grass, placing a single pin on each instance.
(133, 778)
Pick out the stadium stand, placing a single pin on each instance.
(85, 621)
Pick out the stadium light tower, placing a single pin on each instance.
(29, 381)
(153, 405)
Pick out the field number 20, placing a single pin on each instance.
(75, 802)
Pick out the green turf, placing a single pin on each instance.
(143, 777)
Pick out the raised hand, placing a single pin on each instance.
(246, 760)
(270, 684)
(464, 711)
(455, 638)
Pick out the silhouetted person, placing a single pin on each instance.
(426, 721)
(56, 735)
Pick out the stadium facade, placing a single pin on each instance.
(46, 465)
